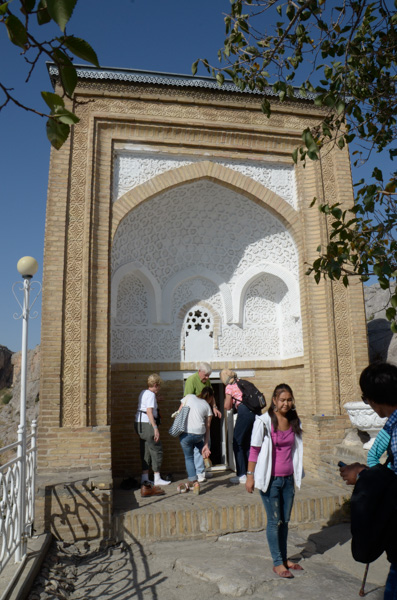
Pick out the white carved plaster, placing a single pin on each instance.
(151, 285)
(365, 419)
(250, 275)
(132, 168)
(198, 274)
(202, 242)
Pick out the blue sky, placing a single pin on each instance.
(153, 35)
(156, 35)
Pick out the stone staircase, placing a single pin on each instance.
(220, 508)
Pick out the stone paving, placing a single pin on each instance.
(232, 566)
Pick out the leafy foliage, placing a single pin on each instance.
(60, 49)
(346, 55)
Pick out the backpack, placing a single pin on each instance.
(374, 514)
(252, 398)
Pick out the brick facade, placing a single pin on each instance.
(87, 405)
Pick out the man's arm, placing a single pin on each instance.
(206, 451)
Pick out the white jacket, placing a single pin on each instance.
(261, 436)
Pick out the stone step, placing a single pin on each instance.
(220, 508)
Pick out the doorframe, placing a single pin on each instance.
(228, 417)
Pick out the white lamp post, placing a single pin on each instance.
(27, 267)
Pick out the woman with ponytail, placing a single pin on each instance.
(275, 467)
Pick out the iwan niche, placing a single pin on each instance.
(202, 242)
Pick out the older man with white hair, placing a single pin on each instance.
(194, 385)
(198, 381)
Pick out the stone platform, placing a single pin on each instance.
(220, 508)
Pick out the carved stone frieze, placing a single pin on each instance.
(343, 325)
(131, 168)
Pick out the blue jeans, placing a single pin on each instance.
(198, 462)
(242, 438)
(278, 500)
(391, 584)
(190, 441)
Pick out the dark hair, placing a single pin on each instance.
(378, 382)
(291, 415)
(206, 393)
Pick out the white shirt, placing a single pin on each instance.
(199, 410)
(261, 436)
(147, 399)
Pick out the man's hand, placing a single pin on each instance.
(217, 413)
(156, 435)
(206, 451)
(349, 473)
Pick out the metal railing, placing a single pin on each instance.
(16, 500)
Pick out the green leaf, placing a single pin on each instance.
(43, 16)
(57, 133)
(393, 301)
(67, 71)
(393, 327)
(194, 67)
(290, 12)
(27, 6)
(81, 48)
(60, 11)
(220, 79)
(390, 313)
(340, 107)
(3, 8)
(265, 106)
(52, 100)
(16, 31)
(65, 116)
(295, 155)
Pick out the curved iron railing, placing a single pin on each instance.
(12, 521)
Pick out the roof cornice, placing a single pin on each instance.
(156, 78)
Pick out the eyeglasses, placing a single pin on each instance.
(364, 399)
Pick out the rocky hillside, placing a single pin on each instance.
(10, 373)
(382, 342)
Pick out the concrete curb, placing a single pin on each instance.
(17, 579)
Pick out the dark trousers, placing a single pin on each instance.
(391, 584)
(242, 438)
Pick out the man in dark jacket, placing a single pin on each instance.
(378, 384)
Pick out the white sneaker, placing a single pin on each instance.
(201, 477)
(160, 481)
(237, 479)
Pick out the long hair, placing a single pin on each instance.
(291, 415)
(206, 393)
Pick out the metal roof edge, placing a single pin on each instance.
(159, 78)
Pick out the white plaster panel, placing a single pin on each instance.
(132, 168)
(202, 242)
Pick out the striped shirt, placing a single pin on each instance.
(391, 428)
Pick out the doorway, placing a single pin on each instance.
(220, 454)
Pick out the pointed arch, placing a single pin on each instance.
(214, 172)
(253, 273)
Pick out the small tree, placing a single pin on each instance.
(60, 49)
(346, 55)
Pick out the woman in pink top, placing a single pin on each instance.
(274, 466)
(243, 427)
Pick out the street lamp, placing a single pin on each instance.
(27, 267)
